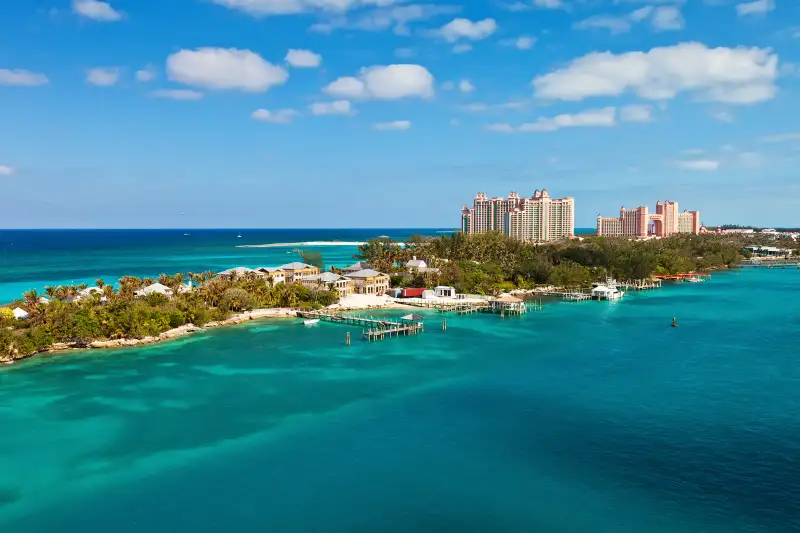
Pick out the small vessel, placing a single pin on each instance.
(674, 322)
(239, 236)
(186, 234)
(310, 321)
(694, 279)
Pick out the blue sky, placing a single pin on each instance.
(382, 113)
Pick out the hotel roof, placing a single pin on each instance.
(325, 277)
(236, 270)
(366, 273)
(296, 265)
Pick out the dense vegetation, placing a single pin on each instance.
(490, 262)
(111, 313)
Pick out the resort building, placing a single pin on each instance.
(275, 275)
(155, 288)
(294, 272)
(535, 219)
(238, 271)
(356, 267)
(327, 281)
(370, 281)
(639, 222)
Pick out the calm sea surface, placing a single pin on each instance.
(584, 417)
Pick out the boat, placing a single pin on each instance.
(694, 279)
(310, 321)
(239, 236)
(186, 234)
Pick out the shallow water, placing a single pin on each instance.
(582, 417)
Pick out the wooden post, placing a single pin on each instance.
(347, 339)
(444, 324)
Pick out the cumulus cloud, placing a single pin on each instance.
(21, 77)
(604, 117)
(96, 10)
(103, 77)
(146, 74)
(730, 75)
(524, 43)
(225, 69)
(662, 18)
(177, 94)
(394, 125)
(337, 107)
(758, 7)
(636, 113)
(6, 170)
(465, 86)
(281, 116)
(462, 28)
(303, 58)
(390, 82)
(699, 164)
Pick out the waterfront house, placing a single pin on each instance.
(88, 292)
(239, 271)
(327, 281)
(416, 264)
(276, 275)
(356, 267)
(20, 313)
(444, 291)
(370, 281)
(44, 300)
(296, 271)
(155, 288)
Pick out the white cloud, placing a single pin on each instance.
(668, 18)
(21, 77)
(462, 48)
(263, 8)
(177, 94)
(758, 7)
(465, 86)
(722, 116)
(390, 82)
(461, 28)
(731, 75)
(103, 77)
(549, 4)
(225, 69)
(303, 58)
(394, 125)
(396, 17)
(96, 10)
(604, 117)
(524, 42)
(146, 74)
(782, 137)
(636, 113)
(664, 18)
(694, 151)
(479, 107)
(698, 164)
(6, 170)
(337, 107)
(282, 116)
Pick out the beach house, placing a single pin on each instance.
(356, 267)
(327, 281)
(296, 271)
(155, 288)
(20, 313)
(276, 275)
(239, 271)
(370, 281)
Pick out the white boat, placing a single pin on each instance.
(310, 321)
(694, 279)
(239, 236)
(603, 292)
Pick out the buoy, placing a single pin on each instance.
(674, 322)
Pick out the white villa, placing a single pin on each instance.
(238, 271)
(20, 313)
(444, 291)
(296, 271)
(155, 288)
(355, 268)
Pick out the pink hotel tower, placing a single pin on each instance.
(637, 222)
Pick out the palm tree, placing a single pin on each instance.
(51, 292)
(100, 283)
(31, 299)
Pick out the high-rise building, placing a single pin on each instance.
(638, 222)
(539, 218)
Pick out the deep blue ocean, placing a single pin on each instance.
(582, 417)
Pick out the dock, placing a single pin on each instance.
(372, 328)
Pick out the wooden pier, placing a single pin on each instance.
(372, 328)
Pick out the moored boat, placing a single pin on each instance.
(310, 321)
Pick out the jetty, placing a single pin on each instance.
(372, 328)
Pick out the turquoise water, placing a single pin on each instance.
(582, 417)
